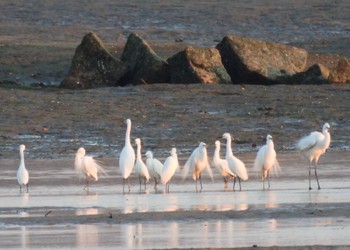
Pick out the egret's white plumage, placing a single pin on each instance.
(235, 164)
(197, 163)
(222, 164)
(140, 167)
(266, 160)
(171, 164)
(313, 146)
(86, 165)
(155, 168)
(127, 156)
(22, 172)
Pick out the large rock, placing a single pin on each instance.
(341, 73)
(144, 65)
(93, 66)
(316, 74)
(198, 65)
(251, 61)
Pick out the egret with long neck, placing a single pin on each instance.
(22, 172)
(313, 146)
(222, 164)
(127, 156)
(235, 164)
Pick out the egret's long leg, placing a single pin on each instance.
(140, 180)
(318, 184)
(310, 176)
(239, 181)
(129, 186)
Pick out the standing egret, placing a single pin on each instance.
(171, 164)
(127, 156)
(266, 160)
(222, 164)
(87, 166)
(197, 162)
(313, 146)
(235, 164)
(155, 168)
(22, 172)
(140, 167)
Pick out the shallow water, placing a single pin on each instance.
(289, 194)
(173, 234)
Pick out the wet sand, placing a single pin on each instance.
(288, 214)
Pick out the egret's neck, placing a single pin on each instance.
(175, 156)
(22, 159)
(327, 139)
(127, 134)
(270, 144)
(138, 153)
(228, 147)
(217, 152)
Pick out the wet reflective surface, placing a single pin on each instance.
(58, 215)
(173, 234)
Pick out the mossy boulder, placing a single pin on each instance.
(250, 61)
(198, 65)
(144, 65)
(341, 73)
(93, 66)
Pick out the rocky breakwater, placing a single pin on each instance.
(235, 60)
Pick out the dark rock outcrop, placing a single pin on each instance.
(198, 65)
(341, 73)
(93, 66)
(316, 74)
(144, 65)
(250, 61)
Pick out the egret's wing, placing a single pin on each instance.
(209, 171)
(145, 171)
(225, 168)
(259, 161)
(309, 141)
(241, 170)
(92, 168)
(127, 161)
(260, 157)
(189, 165)
(276, 170)
(157, 166)
(78, 163)
(170, 166)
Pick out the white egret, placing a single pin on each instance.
(313, 146)
(197, 162)
(127, 156)
(22, 172)
(235, 164)
(266, 160)
(140, 167)
(86, 165)
(155, 168)
(171, 164)
(222, 164)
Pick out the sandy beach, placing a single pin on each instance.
(37, 43)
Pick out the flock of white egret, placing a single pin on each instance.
(312, 146)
